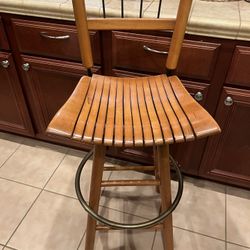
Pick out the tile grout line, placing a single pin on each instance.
(56, 169)
(6, 245)
(11, 154)
(12, 248)
(153, 243)
(41, 190)
(81, 240)
(64, 195)
(188, 230)
(18, 182)
(238, 244)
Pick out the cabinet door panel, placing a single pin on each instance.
(3, 39)
(227, 156)
(49, 84)
(239, 73)
(13, 111)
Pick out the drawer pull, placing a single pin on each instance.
(198, 96)
(44, 34)
(26, 66)
(154, 50)
(5, 64)
(229, 101)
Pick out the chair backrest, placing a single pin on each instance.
(177, 25)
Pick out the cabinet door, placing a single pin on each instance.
(49, 83)
(14, 115)
(227, 157)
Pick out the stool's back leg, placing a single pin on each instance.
(95, 193)
(165, 190)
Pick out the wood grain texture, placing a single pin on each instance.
(94, 194)
(180, 114)
(70, 109)
(142, 111)
(165, 191)
(100, 123)
(83, 32)
(131, 23)
(201, 127)
(178, 34)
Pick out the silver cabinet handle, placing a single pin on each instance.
(26, 66)
(154, 50)
(5, 64)
(198, 96)
(45, 34)
(228, 101)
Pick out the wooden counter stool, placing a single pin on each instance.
(152, 111)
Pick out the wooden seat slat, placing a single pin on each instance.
(137, 126)
(119, 114)
(82, 119)
(152, 113)
(186, 128)
(92, 118)
(147, 129)
(165, 126)
(64, 121)
(100, 124)
(173, 120)
(128, 124)
(200, 119)
(109, 126)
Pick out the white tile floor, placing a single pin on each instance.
(39, 209)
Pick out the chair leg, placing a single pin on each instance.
(95, 193)
(165, 191)
(156, 168)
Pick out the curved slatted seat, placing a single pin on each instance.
(141, 111)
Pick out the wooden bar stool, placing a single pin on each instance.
(152, 111)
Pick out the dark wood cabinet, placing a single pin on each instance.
(14, 116)
(227, 157)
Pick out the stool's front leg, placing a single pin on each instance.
(95, 193)
(165, 190)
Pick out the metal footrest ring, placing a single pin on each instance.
(118, 225)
